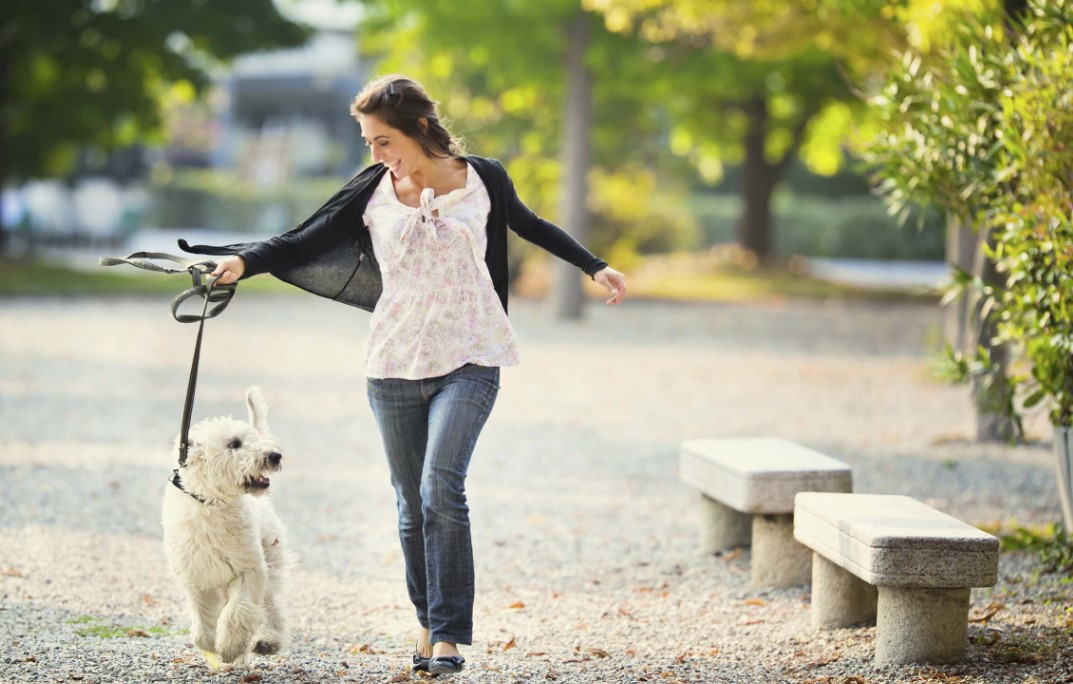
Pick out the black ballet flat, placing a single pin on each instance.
(420, 662)
(446, 664)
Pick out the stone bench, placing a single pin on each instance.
(748, 487)
(897, 561)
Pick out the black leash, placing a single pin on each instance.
(202, 287)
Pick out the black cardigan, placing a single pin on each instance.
(331, 254)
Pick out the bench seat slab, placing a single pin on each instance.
(759, 475)
(889, 540)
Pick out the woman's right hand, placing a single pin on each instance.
(229, 269)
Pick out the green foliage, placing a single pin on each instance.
(1051, 542)
(1035, 250)
(633, 211)
(940, 142)
(983, 128)
(724, 56)
(76, 73)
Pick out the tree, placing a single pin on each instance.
(942, 142)
(759, 84)
(75, 74)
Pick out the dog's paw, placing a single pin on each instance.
(266, 647)
(233, 656)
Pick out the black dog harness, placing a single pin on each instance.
(203, 286)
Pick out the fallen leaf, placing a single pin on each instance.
(625, 613)
(252, 677)
(820, 662)
(598, 652)
(361, 648)
(755, 602)
(734, 555)
(988, 613)
(517, 605)
(137, 633)
(12, 572)
(509, 645)
(535, 654)
(148, 600)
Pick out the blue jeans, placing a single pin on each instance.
(430, 428)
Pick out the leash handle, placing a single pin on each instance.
(198, 269)
(220, 295)
(191, 385)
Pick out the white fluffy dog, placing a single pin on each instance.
(223, 540)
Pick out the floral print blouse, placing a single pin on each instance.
(439, 309)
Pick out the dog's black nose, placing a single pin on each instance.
(275, 457)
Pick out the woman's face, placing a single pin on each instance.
(394, 149)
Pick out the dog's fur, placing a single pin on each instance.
(229, 550)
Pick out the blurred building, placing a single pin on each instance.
(285, 113)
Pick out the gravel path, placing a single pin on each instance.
(587, 564)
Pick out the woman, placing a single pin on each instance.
(419, 238)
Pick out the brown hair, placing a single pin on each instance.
(401, 103)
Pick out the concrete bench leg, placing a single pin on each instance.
(778, 560)
(722, 527)
(921, 625)
(839, 598)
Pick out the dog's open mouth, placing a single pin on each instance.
(258, 482)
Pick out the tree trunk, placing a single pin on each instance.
(961, 249)
(759, 178)
(991, 392)
(576, 160)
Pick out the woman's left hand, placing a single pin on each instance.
(614, 282)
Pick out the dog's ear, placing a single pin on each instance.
(255, 403)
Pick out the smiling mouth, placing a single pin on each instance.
(259, 482)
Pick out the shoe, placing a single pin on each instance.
(420, 662)
(446, 664)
